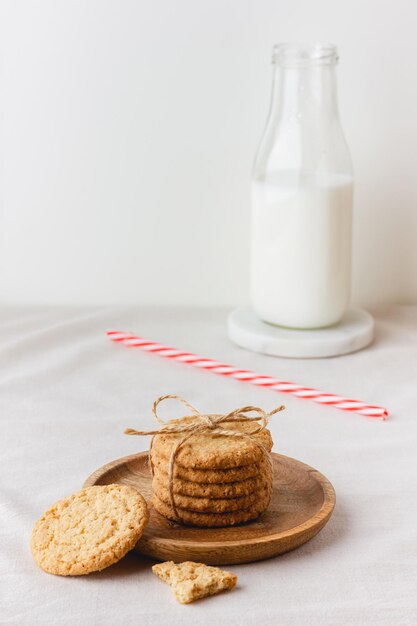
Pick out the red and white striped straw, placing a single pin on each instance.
(284, 386)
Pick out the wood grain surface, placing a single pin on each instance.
(302, 503)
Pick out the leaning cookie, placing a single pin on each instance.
(89, 530)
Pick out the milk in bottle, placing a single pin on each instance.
(302, 197)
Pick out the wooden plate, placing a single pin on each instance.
(302, 502)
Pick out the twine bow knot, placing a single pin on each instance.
(210, 423)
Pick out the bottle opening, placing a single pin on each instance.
(304, 55)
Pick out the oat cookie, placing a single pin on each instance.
(191, 581)
(89, 530)
(192, 518)
(190, 474)
(203, 505)
(219, 490)
(208, 451)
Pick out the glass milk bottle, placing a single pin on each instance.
(302, 196)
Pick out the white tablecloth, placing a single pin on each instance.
(66, 395)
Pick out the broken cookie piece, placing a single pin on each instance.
(191, 581)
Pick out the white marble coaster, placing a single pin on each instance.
(353, 332)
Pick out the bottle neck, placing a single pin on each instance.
(304, 93)
(303, 134)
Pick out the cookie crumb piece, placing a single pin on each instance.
(191, 581)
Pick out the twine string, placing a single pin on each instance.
(208, 423)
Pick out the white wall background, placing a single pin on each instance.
(130, 128)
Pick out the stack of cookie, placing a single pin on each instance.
(217, 480)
